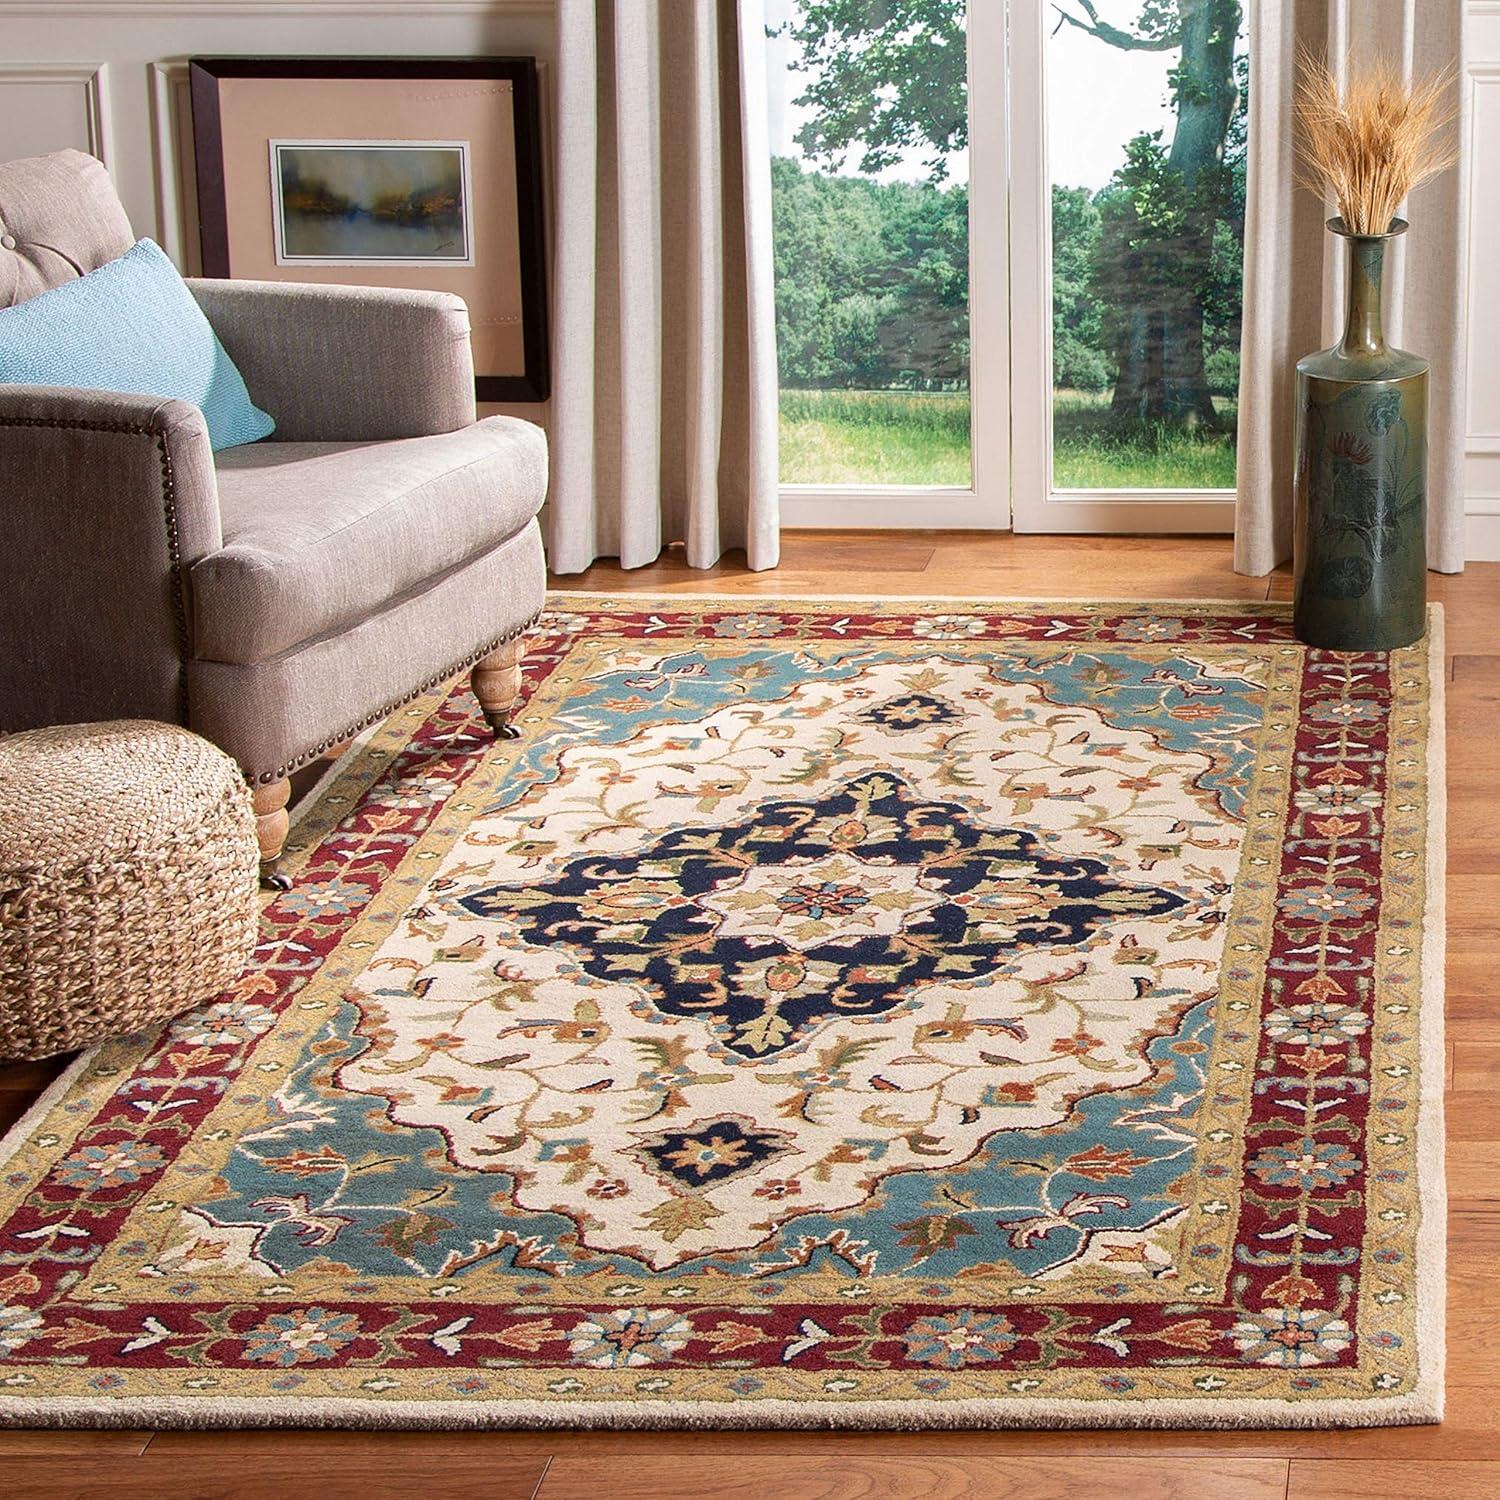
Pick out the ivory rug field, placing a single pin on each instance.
(828, 1012)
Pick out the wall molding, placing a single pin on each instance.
(176, 196)
(1482, 526)
(92, 78)
(1479, 74)
(200, 9)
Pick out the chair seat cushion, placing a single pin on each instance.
(319, 535)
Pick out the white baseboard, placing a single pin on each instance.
(1482, 527)
(890, 507)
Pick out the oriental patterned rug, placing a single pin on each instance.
(828, 1012)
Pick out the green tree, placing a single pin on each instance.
(1158, 220)
(871, 280)
(888, 77)
(1077, 361)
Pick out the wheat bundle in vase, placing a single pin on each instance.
(1369, 142)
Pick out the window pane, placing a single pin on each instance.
(869, 137)
(1146, 148)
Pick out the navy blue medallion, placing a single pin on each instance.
(911, 711)
(710, 1151)
(804, 912)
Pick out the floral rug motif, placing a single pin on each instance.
(842, 1012)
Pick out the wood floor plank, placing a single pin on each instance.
(1471, 1011)
(56, 1444)
(22, 1082)
(900, 553)
(1313, 1479)
(1476, 1065)
(365, 1467)
(726, 1477)
(1474, 903)
(1473, 1172)
(1473, 1115)
(13, 1104)
(34, 1076)
(1467, 668)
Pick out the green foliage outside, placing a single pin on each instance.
(875, 437)
(1091, 450)
(906, 437)
(872, 279)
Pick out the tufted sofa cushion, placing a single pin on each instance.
(60, 217)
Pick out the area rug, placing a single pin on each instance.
(827, 1012)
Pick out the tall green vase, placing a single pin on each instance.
(1361, 485)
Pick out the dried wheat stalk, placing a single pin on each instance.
(1369, 143)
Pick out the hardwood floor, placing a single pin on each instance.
(1458, 1459)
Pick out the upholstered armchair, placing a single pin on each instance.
(277, 597)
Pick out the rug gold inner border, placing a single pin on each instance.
(1208, 1214)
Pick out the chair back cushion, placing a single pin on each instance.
(60, 218)
(132, 325)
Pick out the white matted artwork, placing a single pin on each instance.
(371, 203)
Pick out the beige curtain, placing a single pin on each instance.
(663, 423)
(1293, 275)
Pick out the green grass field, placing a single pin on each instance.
(901, 437)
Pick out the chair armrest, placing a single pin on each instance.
(346, 363)
(109, 499)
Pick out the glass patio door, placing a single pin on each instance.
(889, 219)
(1127, 195)
(1008, 247)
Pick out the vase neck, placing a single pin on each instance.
(1364, 331)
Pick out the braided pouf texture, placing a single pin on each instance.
(128, 881)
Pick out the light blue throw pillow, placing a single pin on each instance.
(132, 325)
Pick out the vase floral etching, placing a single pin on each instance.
(1362, 475)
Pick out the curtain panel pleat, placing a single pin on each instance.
(1293, 271)
(664, 397)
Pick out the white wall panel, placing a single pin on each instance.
(45, 105)
(140, 124)
(1483, 467)
(172, 147)
(128, 103)
(1484, 289)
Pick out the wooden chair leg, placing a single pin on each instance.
(496, 683)
(271, 825)
(334, 751)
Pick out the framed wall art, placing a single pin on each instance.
(421, 172)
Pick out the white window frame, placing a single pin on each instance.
(984, 503)
(1010, 347)
(1037, 506)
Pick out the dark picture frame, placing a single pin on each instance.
(225, 179)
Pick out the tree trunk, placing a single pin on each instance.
(1161, 376)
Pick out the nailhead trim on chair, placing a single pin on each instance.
(169, 516)
(264, 778)
(179, 605)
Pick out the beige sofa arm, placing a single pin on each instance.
(109, 499)
(346, 363)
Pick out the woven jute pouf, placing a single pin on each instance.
(128, 881)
